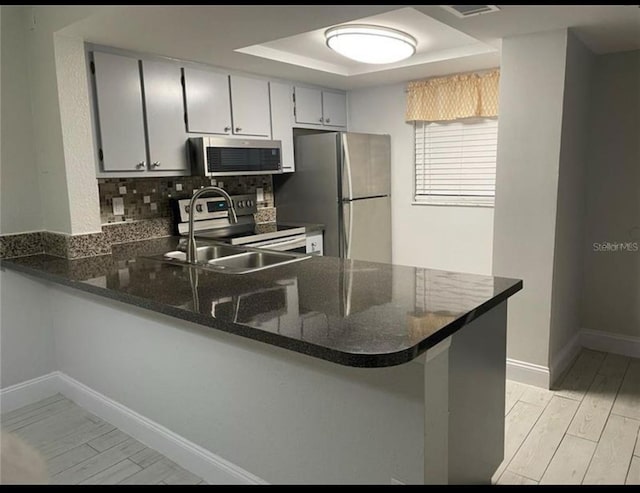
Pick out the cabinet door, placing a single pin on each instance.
(334, 109)
(282, 121)
(308, 105)
(250, 106)
(207, 98)
(165, 116)
(120, 116)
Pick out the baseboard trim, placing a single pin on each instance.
(196, 459)
(24, 393)
(528, 373)
(607, 342)
(564, 358)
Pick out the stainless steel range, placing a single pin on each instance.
(211, 222)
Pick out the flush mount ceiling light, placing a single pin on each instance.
(370, 44)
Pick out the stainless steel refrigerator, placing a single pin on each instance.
(342, 180)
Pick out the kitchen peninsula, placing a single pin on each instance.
(369, 372)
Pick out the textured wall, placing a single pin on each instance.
(20, 211)
(75, 116)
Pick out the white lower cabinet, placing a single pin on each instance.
(315, 243)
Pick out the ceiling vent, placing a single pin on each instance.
(469, 10)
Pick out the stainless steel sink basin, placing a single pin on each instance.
(253, 261)
(231, 260)
(205, 253)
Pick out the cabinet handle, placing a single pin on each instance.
(238, 129)
(328, 120)
(226, 129)
(141, 164)
(321, 120)
(156, 164)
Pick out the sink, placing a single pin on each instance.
(205, 253)
(231, 260)
(253, 261)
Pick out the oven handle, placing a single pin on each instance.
(282, 245)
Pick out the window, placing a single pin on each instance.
(455, 162)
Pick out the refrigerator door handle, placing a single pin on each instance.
(347, 164)
(347, 224)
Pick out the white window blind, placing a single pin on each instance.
(455, 162)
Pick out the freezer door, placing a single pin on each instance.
(366, 167)
(367, 229)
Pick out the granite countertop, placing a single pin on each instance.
(350, 312)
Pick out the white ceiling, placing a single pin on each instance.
(213, 34)
(435, 41)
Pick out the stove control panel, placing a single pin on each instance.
(215, 207)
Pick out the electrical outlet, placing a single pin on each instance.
(118, 206)
(146, 199)
(178, 187)
(122, 190)
(259, 194)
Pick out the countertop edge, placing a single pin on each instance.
(356, 360)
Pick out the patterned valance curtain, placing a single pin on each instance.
(453, 97)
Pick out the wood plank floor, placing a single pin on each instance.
(585, 431)
(80, 448)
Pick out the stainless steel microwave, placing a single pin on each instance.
(220, 156)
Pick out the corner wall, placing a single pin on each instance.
(611, 298)
(568, 282)
(532, 84)
(448, 238)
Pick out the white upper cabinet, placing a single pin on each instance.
(334, 109)
(165, 116)
(282, 121)
(308, 106)
(207, 99)
(318, 107)
(120, 113)
(250, 106)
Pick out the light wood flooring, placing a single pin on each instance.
(80, 448)
(583, 432)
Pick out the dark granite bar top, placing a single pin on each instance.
(350, 312)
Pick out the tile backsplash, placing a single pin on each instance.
(148, 198)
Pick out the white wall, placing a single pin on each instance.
(63, 141)
(75, 115)
(26, 334)
(611, 300)
(570, 217)
(20, 211)
(449, 238)
(529, 133)
(302, 429)
(47, 127)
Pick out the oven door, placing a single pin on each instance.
(289, 244)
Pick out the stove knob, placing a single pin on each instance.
(187, 208)
(241, 204)
(251, 203)
(199, 207)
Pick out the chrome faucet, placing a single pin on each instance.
(231, 213)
